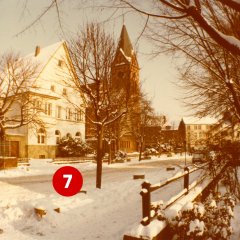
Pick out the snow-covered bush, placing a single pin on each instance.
(69, 146)
(120, 155)
(208, 221)
(150, 151)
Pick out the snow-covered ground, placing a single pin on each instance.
(100, 214)
(46, 167)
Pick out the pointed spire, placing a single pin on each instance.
(125, 43)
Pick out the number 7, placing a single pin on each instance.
(69, 177)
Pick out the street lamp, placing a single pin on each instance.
(185, 147)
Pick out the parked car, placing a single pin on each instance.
(199, 157)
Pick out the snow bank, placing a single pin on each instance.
(148, 231)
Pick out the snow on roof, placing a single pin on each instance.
(41, 59)
(194, 120)
(44, 54)
(128, 58)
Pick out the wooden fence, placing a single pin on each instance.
(150, 209)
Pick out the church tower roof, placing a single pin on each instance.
(125, 43)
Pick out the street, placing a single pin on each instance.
(100, 214)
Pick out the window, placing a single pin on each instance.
(64, 91)
(68, 135)
(195, 127)
(199, 127)
(48, 109)
(188, 127)
(58, 135)
(68, 113)
(52, 88)
(60, 63)
(78, 135)
(59, 112)
(37, 105)
(41, 136)
(78, 116)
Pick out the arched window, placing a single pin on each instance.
(58, 136)
(78, 135)
(41, 136)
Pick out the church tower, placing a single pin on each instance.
(125, 69)
(125, 75)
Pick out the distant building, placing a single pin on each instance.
(156, 136)
(195, 131)
(51, 94)
(225, 131)
(171, 137)
(152, 136)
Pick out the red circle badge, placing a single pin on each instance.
(67, 181)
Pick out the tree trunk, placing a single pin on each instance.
(2, 134)
(117, 144)
(109, 152)
(140, 150)
(99, 156)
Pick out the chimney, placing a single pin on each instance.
(37, 50)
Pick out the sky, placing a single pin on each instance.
(158, 75)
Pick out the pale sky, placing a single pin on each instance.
(158, 75)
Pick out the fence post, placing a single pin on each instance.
(146, 202)
(186, 179)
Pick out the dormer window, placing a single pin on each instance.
(60, 63)
(53, 88)
(64, 91)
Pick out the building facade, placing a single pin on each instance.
(195, 132)
(62, 107)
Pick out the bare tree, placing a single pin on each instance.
(210, 73)
(17, 104)
(92, 53)
(197, 11)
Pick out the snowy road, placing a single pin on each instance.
(100, 214)
(109, 173)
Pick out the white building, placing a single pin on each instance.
(195, 131)
(60, 103)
